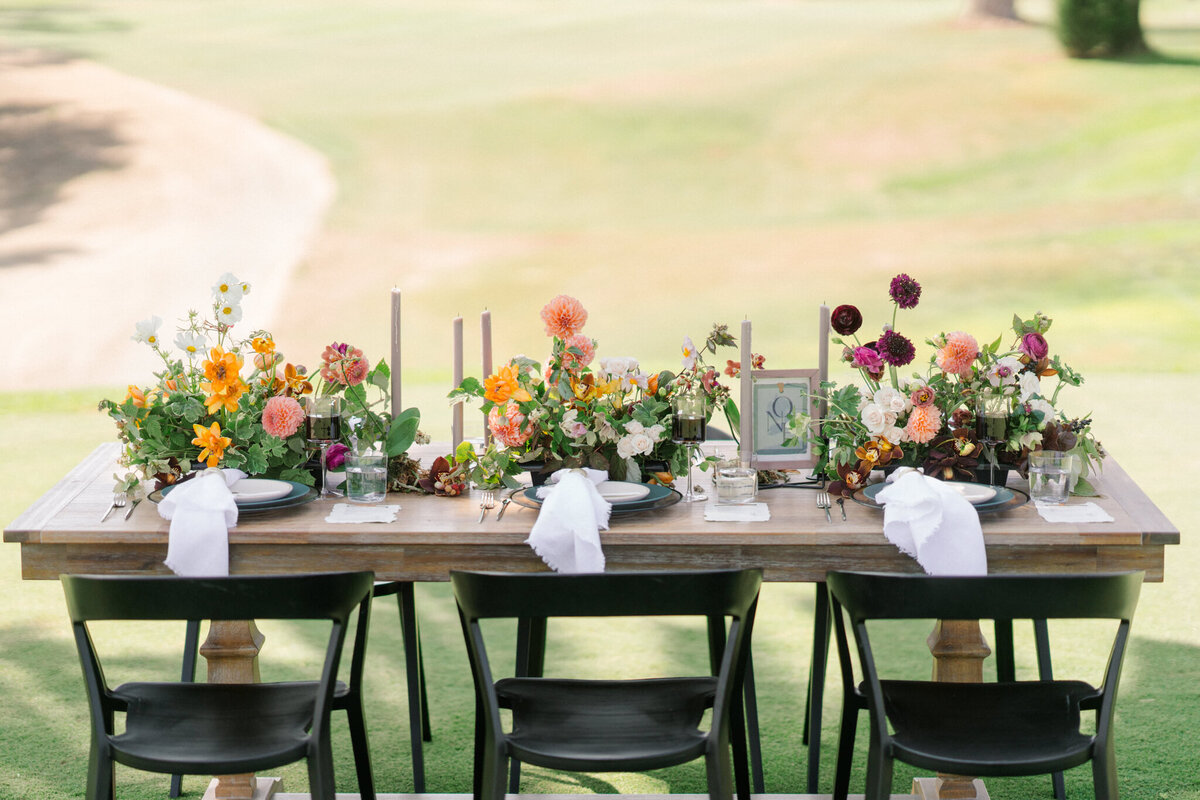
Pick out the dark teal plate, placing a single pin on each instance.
(299, 495)
(1006, 499)
(659, 497)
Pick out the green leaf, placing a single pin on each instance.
(402, 432)
(1084, 488)
(995, 346)
(733, 416)
(470, 387)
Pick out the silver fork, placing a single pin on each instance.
(823, 502)
(487, 502)
(118, 502)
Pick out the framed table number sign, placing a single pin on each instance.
(777, 394)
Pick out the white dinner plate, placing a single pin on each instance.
(974, 493)
(622, 491)
(257, 490)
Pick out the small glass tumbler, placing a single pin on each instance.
(366, 476)
(1050, 476)
(735, 484)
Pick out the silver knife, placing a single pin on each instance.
(132, 506)
(503, 505)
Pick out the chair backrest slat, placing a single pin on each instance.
(330, 596)
(886, 596)
(499, 595)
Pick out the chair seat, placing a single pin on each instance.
(205, 728)
(1020, 728)
(584, 725)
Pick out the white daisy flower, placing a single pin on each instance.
(190, 342)
(229, 313)
(228, 290)
(146, 331)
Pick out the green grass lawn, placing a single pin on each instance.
(674, 163)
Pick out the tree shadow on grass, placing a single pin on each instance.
(43, 147)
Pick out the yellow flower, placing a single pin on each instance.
(211, 442)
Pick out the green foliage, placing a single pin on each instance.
(1100, 28)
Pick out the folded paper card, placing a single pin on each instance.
(352, 513)
(1083, 512)
(746, 512)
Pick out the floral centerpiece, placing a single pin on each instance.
(974, 408)
(577, 410)
(221, 400)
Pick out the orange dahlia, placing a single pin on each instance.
(564, 316)
(923, 424)
(958, 353)
(503, 385)
(211, 442)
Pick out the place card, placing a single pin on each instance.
(746, 512)
(347, 513)
(1083, 512)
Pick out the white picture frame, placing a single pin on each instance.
(776, 394)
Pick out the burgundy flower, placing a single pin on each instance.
(895, 349)
(905, 291)
(1034, 345)
(846, 319)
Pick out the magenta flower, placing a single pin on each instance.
(895, 349)
(905, 291)
(867, 358)
(1035, 346)
(335, 456)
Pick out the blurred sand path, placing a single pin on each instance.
(120, 200)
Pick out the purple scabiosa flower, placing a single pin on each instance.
(895, 349)
(905, 291)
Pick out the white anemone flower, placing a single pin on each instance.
(1029, 384)
(190, 342)
(147, 331)
(229, 290)
(690, 354)
(229, 313)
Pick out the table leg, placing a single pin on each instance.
(958, 649)
(231, 651)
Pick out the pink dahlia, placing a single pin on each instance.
(282, 416)
(923, 424)
(587, 351)
(564, 317)
(959, 353)
(509, 427)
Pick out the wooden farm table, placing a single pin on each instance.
(431, 536)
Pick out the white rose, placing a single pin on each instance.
(625, 447)
(893, 400)
(656, 432)
(1039, 404)
(894, 435)
(633, 426)
(874, 418)
(1029, 384)
(641, 443)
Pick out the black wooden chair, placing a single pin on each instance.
(348, 697)
(987, 729)
(610, 725)
(209, 729)
(815, 692)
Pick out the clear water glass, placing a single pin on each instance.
(366, 476)
(1050, 476)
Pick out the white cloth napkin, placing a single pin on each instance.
(566, 534)
(201, 511)
(934, 524)
(353, 512)
(1082, 512)
(743, 512)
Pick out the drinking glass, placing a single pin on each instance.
(991, 425)
(323, 426)
(688, 424)
(366, 475)
(735, 484)
(1050, 476)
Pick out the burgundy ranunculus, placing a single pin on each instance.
(895, 349)
(335, 456)
(1034, 345)
(846, 319)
